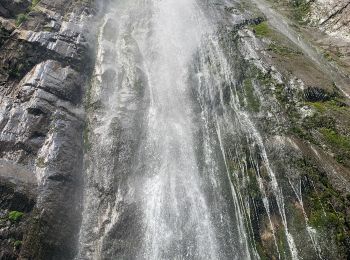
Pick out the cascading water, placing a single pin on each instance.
(169, 143)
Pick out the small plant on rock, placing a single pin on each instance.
(17, 244)
(15, 216)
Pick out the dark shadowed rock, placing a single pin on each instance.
(314, 94)
(11, 8)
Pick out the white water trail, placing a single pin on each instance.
(225, 74)
(310, 230)
(177, 219)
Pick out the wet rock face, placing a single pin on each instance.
(44, 65)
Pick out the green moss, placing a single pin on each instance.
(320, 106)
(14, 73)
(318, 121)
(261, 251)
(281, 95)
(87, 144)
(333, 222)
(85, 1)
(232, 166)
(20, 19)
(340, 144)
(320, 202)
(265, 78)
(15, 216)
(301, 8)
(17, 70)
(336, 139)
(40, 162)
(17, 244)
(328, 56)
(253, 185)
(24, 16)
(35, 2)
(283, 50)
(301, 133)
(48, 29)
(261, 29)
(321, 219)
(33, 6)
(327, 121)
(282, 243)
(333, 104)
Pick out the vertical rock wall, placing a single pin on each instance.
(44, 66)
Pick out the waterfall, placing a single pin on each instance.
(170, 148)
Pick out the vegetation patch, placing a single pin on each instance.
(336, 139)
(40, 162)
(252, 100)
(319, 121)
(301, 8)
(334, 105)
(17, 244)
(283, 50)
(340, 144)
(20, 19)
(262, 251)
(326, 125)
(87, 144)
(326, 208)
(323, 122)
(261, 29)
(15, 216)
(330, 121)
(35, 2)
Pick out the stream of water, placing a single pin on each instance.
(159, 181)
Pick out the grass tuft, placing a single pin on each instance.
(262, 29)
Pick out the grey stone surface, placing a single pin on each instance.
(44, 65)
(333, 16)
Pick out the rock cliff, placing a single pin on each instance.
(44, 65)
